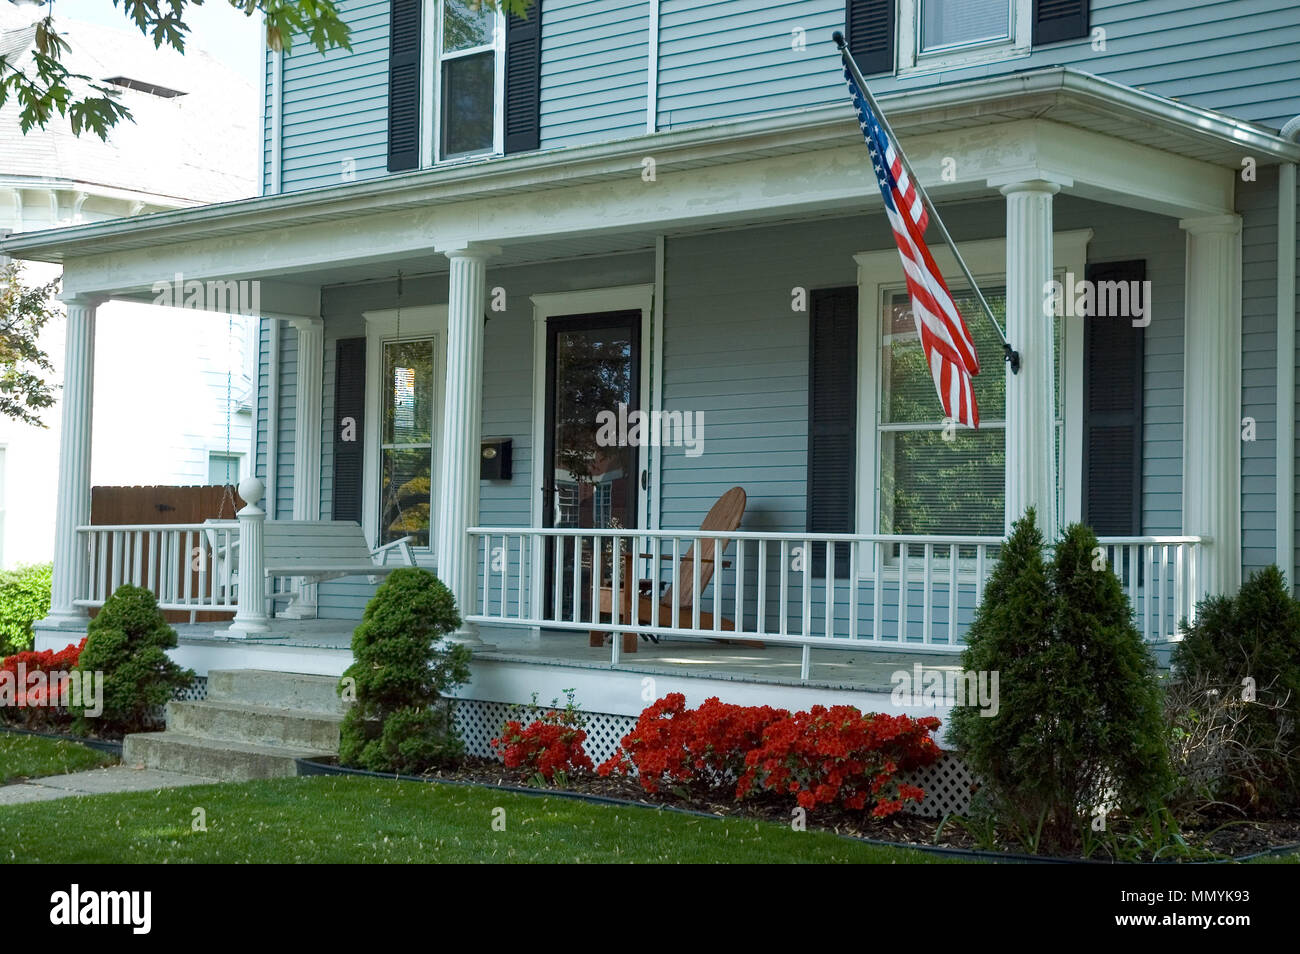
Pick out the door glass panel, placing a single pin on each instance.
(592, 452)
(406, 453)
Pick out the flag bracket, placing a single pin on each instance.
(1012, 356)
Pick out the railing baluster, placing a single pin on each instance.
(655, 575)
(954, 593)
(557, 579)
(136, 578)
(116, 579)
(1164, 569)
(1148, 595)
(740, 586)
(597, 555)
(695, 580)
(760, 604)
(853, 590)
(904, 592)
(805, 592)
(1180, 551)
(784, 584)
(717, 586)
(830, 588)
(927, 596)
(877, 592)
(676, 583)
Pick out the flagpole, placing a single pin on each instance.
(1012, 356)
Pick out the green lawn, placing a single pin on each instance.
(30, 756)
(349, 819)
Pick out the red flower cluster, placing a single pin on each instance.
(548, 745)
(838, 755)
(673, 745)
(48, 660)
(821, 757)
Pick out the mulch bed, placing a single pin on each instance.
(1226, 837)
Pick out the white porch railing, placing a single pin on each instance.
(187, 566)
(901, 592)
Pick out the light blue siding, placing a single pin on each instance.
(336, 103)
(594, 70)
(726, 60)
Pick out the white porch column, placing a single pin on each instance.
(1031, 477)
(458, 470)
(1212, 397)
(308, 403)
(73, 500)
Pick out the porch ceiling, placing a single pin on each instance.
(1103, 140)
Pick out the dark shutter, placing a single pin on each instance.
(349, 402)
(1112, 413)
(832, 422)
(869, 27)
(1056, 20)
(523, 106)
(403, 85)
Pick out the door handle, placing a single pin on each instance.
(645, 480)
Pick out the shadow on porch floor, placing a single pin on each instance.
(857, 669)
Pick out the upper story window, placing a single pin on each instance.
(467, 76)
(464, 81)
(918, 36)
(941, 34)
(953, 24)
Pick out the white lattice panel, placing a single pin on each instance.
(197, 691)
(480, 722)
(947, 784)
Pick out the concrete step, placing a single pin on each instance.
(254, 724)
(276, 690)
(220, 759)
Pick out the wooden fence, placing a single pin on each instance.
(165, 505)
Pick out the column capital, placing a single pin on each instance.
(471, 250)
(82, 300)
(1212, 225)
(301, 322)
(1029, 180)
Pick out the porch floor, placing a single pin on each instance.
(860, 669)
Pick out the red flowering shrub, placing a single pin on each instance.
(824, 756)
(840, 756)
(672, 745)
(551, 744)
(34, 702)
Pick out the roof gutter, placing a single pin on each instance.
(790, 132)
(1286, 424)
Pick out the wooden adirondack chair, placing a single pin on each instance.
(723, 517)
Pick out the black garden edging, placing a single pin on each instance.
(102, 745)
(311, 767)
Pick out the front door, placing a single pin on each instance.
(591, 474)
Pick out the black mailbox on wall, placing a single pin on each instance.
(495, 459)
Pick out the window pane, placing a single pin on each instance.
(909, 395)
(468, 85)
(466, 24)
(223, 469)
(408, 412)
(929, 485)
(404, 496)
(953, 22)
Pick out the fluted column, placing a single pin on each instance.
(1031, 395)
(72, 507)
(1212, 397)
(458, 471)
(308, 402)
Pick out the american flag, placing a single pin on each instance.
(947, 343)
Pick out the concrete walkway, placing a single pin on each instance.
(115, 778)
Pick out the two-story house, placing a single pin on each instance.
(488, 247)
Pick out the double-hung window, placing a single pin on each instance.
(942, 34)
(467, 78)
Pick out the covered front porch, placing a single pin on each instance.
(419, 327)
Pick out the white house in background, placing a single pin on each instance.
(188, 419)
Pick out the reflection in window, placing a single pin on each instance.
(468, 78)
(954, 23)
(406, 452)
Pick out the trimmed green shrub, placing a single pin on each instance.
(402, 720)
(1242, 657)
(128, 642)
(1078, 727)
(24, 599)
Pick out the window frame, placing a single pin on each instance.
(417, 323)
(431, 91)
(913, 60)
(879, 275)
